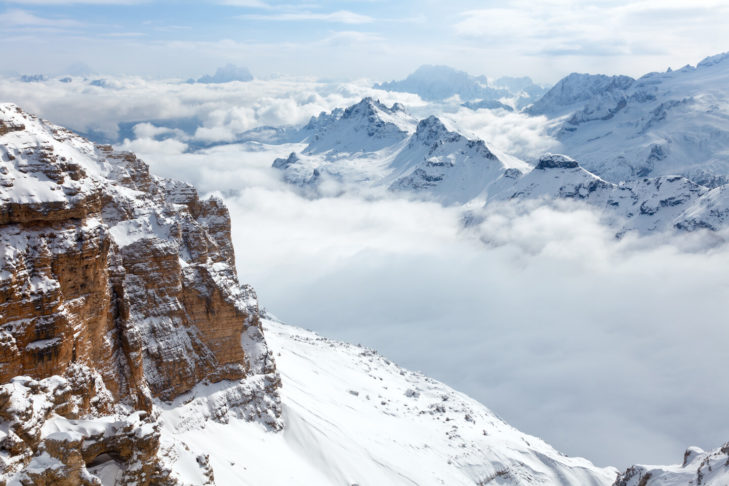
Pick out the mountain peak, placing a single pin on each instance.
(368, 106)
(580, 87)
(226, 74)
(430, 128)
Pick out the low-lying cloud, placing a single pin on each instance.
(210, 113)
(612, 349)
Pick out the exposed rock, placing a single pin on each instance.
(118, 289)
(698, 468)
(556, 161)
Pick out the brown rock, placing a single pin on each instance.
(115, 287)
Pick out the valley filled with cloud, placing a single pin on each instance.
(605, 345)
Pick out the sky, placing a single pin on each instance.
(348, 39)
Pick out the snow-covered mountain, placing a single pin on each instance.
(352, 416)
(436, 83)
(369, 146)
(645, 204)
(698, 468)
(130, 354)
(367, 126)
(373, 146)
(440, 82)
(447, 165)
(225, 74)
(593, 94)
(671, 123)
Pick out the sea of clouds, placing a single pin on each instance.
(612, 349)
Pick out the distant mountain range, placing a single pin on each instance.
(436, 83)
(671, 123)
(371, 146)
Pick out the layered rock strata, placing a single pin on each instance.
(118, 291)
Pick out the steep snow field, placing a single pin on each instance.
(353, 417)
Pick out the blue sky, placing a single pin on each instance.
(361, 38)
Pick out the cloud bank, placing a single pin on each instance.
(609, 349)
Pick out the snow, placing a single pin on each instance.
(369, 147)
(353, 417)
(146, 226)
(645, 205)
(698, 468)
(671, 123)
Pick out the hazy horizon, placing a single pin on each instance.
(359, 39)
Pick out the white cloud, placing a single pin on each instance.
(78, 2)
(223, 111)
(246, 3)
(610, 349)
(340, 16)
(515, 134)
(22, 18)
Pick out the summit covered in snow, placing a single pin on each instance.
(370, 145)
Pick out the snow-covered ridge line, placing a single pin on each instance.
(373, 147)
(699, 468)
(353, 417)
(669, 203)
(670, 123)
(369, 147)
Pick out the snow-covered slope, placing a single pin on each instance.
(367, 126)
(595, 94)
(671, 123)
(699, 468)
(353, 417)
(447, 165)
(369, 145)
(646, 204)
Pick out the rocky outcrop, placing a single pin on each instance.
(118, 290)
(698, 468)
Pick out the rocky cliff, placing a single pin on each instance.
(118, 292)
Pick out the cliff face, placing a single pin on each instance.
(118, 290)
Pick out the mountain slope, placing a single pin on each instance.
(118, 292)
(672, 123)
(131, 355)
(698, 468)
(645, 205)
(370, 146)
(353, 417)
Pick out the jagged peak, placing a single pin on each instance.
(430, 127)
(370, 106)
(580, 87)
(283, 163)
(556, 161)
